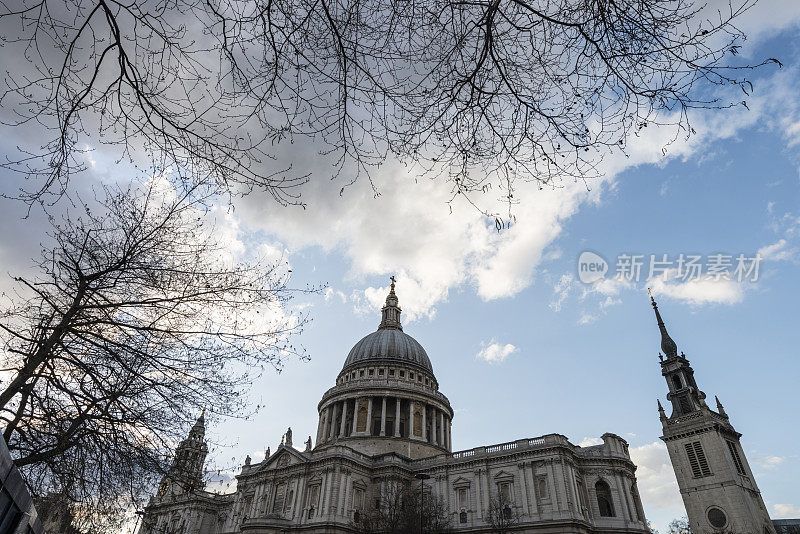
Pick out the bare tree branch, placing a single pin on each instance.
(138, 318)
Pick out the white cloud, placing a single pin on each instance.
(769, 462)
(609, 286)
(495, 352)
(655, 478)
(588, 442)
(699, 291)
(331, 293)
(776, 251)
(786, 510)
(415, 228)
(560, 291)
(587, 318)
(610, 301)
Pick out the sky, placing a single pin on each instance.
(520, 344)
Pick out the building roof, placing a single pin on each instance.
(389, 344)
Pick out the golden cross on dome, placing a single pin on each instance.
(393, 280)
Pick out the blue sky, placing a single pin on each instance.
(519, 345)
(579, 360)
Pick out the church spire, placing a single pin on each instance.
(669, 347)
(390, 313)
(186, 472)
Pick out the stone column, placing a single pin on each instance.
(383, 417)
(342, 427)
(355, 416)
(411, 419)
(425, 422)
(449, 432)
(322, 433)
(336, 407)
(369, 416)
(330, 423)
(397, 416)
(324, 490)
(340, 498)
(441, 430)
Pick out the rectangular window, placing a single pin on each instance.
(504, 491)
(371, 372)
(402, 374)
(697, 459)
(280, 494)
(380, 372)
(358, 499)
(737, 460)
(391, 372)
(313, 496)
(462, 499)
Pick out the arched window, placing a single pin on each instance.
(507, 512)
(604, 503)
(462, 517)
(677, 381)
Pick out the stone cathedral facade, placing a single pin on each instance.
(385, 423)
(715, 479)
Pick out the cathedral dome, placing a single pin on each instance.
(386, 398)
(388, 345)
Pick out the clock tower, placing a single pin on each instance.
(718, 488)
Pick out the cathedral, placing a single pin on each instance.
(383, 424)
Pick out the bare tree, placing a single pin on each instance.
(400, 510)
(502, 515)
(478, 93)
(137, 318)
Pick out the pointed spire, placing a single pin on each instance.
(720, 407)
(667, 344)
(661, 414)
(390, 313)
(199, 428)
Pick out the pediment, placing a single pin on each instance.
(283, 457)
(503, 476)
(461, 482)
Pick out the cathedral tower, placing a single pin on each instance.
(716, 483)
(386, 398)
(186, 473)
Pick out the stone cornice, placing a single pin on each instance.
(385, 387)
